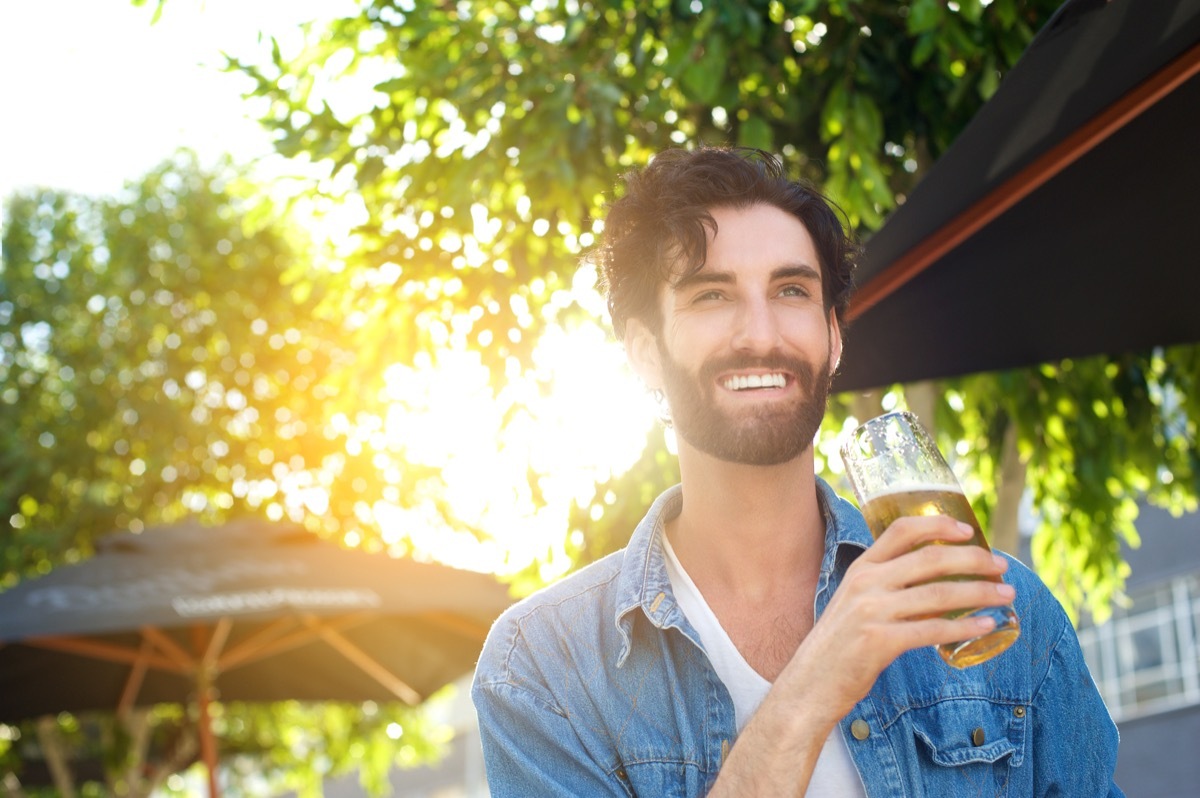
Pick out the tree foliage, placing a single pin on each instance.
(485, 135)
(1098, 436)
(153, 366)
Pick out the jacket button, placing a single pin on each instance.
(860, 729)
(977, 737)
(1019, 712)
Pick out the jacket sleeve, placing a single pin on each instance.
(530, 748)
(1074, 737)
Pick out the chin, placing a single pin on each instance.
(776, 447)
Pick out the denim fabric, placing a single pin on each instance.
(598, 685)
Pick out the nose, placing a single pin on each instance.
(756, 329)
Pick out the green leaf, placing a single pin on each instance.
(925, 47)
(704, 76)
(989, 81)
(756, 132)
(866, 121)
(924, 15)
(834, 113)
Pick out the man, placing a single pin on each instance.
(751, 640)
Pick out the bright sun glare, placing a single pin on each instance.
(592, 423)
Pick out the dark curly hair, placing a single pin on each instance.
(664, 216)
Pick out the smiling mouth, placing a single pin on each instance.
(745, 382)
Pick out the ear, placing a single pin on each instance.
(835, 342)
(641, 347)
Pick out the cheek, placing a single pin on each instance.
(809, 333)
(691, 336)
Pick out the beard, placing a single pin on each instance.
(764, 436)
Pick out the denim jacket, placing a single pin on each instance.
(598, 685)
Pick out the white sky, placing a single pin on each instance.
(93, 95)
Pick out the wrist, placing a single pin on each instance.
(777, 751)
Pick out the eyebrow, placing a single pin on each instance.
(708, 276)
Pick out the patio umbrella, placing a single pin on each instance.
(248, 611)
(1062, 221)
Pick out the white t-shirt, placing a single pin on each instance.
(834, 775)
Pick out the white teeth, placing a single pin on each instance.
(741, 383)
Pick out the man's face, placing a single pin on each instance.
(746, 348)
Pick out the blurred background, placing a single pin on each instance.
(320, 263)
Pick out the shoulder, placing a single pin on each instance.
(539, 626)
(1048, 641)
(1035, 601)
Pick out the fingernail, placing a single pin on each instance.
(1007, 591)
(966, 529)
(984, 622)
(1001, 561)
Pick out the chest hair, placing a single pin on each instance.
(769, 635)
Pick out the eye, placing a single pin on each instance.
(794, 291)
(712, 295)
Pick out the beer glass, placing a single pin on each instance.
(896, 470)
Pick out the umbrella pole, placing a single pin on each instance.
(208, 744)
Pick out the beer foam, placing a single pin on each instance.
(915, 487)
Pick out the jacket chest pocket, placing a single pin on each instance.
(972, 744)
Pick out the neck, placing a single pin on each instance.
(748, 528)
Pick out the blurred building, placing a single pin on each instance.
(1146, 660)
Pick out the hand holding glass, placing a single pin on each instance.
(896, 470)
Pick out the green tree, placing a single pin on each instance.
(1091, 439)
(153, 366)
(485, 134)
(151, 362)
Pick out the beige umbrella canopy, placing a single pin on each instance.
(249, 611)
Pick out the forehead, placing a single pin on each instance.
(753, 240)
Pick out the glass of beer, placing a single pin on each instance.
(896, 470)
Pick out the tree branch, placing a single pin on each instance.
(12, 786)
(182, 755)
(922, 399)
(56, 755)
(1009, 490)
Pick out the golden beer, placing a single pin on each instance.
(882, 510)
(899, 501)
(896, 470)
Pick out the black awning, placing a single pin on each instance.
(1065, 219)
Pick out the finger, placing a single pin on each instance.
(936, 599)
(937, 631)
(880, 642)
(934, 562)
(895, 639)
(907, 533)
